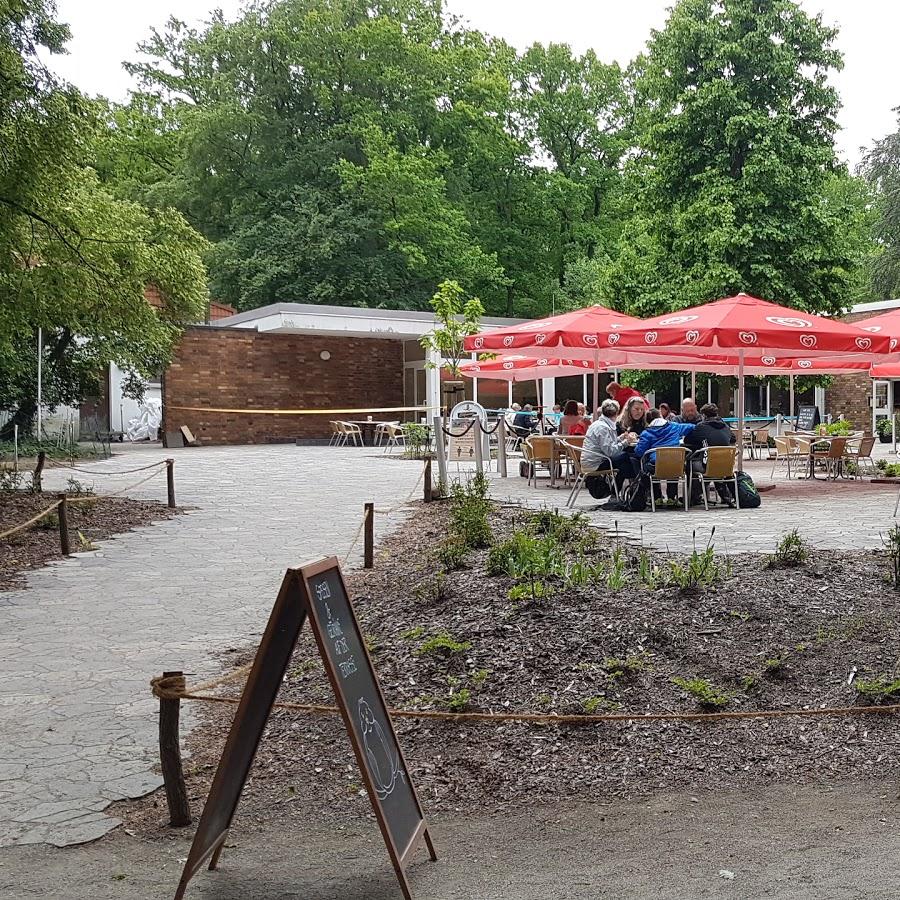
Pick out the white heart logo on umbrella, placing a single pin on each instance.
(508, 365)
(747, 337)
(692, 337)
(893, 343)
(479, 343)
(474, 368)
(540, 338)
(808, 340)
(804, 363)
(768, 360)
(542, 362)
(612, 339)
(650, 337)
(590, 339)
(863, 343)
(508, 341)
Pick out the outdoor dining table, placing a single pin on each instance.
(818, 439)
(368, 426)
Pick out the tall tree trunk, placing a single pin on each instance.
(24, 417)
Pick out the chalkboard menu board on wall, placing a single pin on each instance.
(317, 593)
(808, 418)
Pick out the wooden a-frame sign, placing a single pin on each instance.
(317, 592)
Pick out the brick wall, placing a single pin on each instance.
(242, 369)
(849, 395)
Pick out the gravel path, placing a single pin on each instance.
(80, 644)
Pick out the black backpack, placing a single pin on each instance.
(748, 495)
(598, 487)
(634, 497)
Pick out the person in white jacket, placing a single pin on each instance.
(602, 441)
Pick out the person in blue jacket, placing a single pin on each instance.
(660, 433)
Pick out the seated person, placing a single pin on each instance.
(665, 412)
(688, 412)
(602, 441)
(510, 414)
(711, 432)
(570, 417)
(660, 433)
(525, 422)
(633, 420)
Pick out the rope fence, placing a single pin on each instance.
(64, 499)
(175, 688)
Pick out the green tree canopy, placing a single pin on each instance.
(75, 260)
(881, 169)
(735, 122)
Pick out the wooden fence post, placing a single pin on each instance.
(36, 479)
(62, 514)
(170, 481)
(426, 489)
(170, 759)
(369, 537)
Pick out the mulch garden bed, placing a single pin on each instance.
(92, 520)
(756, 638)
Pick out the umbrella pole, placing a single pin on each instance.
(791, 401)
(694, 384)
(741, 407)
(540, 411)
(596, 385)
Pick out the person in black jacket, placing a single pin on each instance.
(711, 432)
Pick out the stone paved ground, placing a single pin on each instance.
(841, 515)
(80, 644)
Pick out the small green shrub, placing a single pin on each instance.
(701, 570)
(840, 427)
(879, 689)
(775, 667)
(792, 551)
(77, 488)
(452, 555)
(615, 576)
(707, 696)
(629, 667)
(435, 590)
(649, 573)
(443, 644)
(891, 543)
(531, 591)
(412, 634)
(564, 528)
(469, 508)
(458, 701)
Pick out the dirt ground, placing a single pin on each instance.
(829, 842)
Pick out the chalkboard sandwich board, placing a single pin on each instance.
(808, 418)
(317, 592)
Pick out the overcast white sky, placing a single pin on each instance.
(105, 32)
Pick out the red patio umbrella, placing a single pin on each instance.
(572, 336)
(750, 328)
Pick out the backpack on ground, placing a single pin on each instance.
(634, 497)
(748, 495)
(597, 486)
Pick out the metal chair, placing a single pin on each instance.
(859, 452)
(538, 451)
(352, 434)
(670, 466)
(336, 434)
(573, 455)
(720, 466)
(833, 458)
(393, 436)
